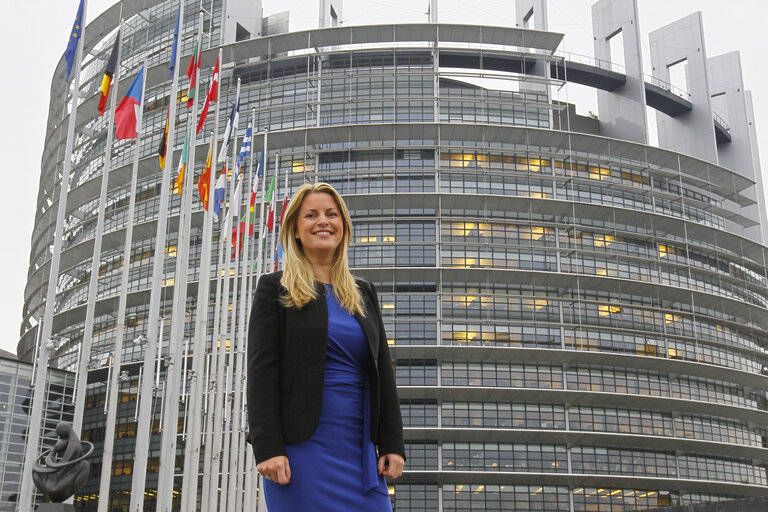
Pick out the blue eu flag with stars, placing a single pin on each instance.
(74, 38)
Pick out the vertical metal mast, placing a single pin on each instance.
(33, 439)
(85, 352)
(189, 483)
(210, 482)
(173, 361)
(241, 448)
(178, 320)
(138, 482)
(230, 331)
(237, 444)
(111, 409)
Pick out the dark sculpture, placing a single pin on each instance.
(65, 469)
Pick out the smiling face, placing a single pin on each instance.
(319, 226)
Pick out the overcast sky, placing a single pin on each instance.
(36, 32)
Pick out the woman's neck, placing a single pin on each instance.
(322, 270)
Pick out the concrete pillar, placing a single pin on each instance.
(729, 101)
(527, 10)
(330, 13)
(242, 20)
(532, 14)
(622, 110)
(693, 132)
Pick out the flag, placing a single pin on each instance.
(194, 65)
(74, 38)
(218, 194)
(239, 230)
(163, 149)
(213, 94)
(231, 128)
(179, 185)
(175, 46)
(279, 255)
(259, 174)
(109, 72)
(283, 208)
(127, 113)
(205, 181)
(271, 200)
(245, 149)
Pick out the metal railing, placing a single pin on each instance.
(719, 120)
(677, 91)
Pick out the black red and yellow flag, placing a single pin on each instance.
(163, 149)
(106, 82)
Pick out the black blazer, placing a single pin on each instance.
(286, 366)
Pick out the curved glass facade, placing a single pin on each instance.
(576, 322)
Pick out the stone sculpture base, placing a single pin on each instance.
(55, 507)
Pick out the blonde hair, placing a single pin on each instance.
(298, 278)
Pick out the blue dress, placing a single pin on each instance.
(336, 469)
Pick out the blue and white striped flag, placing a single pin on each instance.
(245, 149)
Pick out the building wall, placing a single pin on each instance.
(15, 400)
(571, 323)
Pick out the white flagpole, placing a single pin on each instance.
(153, 344)
(125, 274)
(241, 448)
(112, 386)
(192, 448)
(248, 496)
(85, 352)
(225, 497)
(227, 477)
(178, 321)
(209, 480)
(178, 317)
(218, 421)
(35, 420)
(237, 442)
(213, 449)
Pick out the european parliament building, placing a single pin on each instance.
(578, 317)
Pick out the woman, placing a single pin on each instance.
(321, 389)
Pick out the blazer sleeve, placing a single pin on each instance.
(390, 429)
(263, 387)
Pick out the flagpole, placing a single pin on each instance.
(236, 439)
(217, 482)
(242, 454)
(210, 447)
(152, 344)
(229, 332)
(209, 481)
(109, 441)
(218, 420)
(261, 254)
(190, 476)
(225, 497)
(173, 358)
(35, 420)
(178, 321)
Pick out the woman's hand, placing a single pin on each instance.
(391, 465)
(277, 469)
